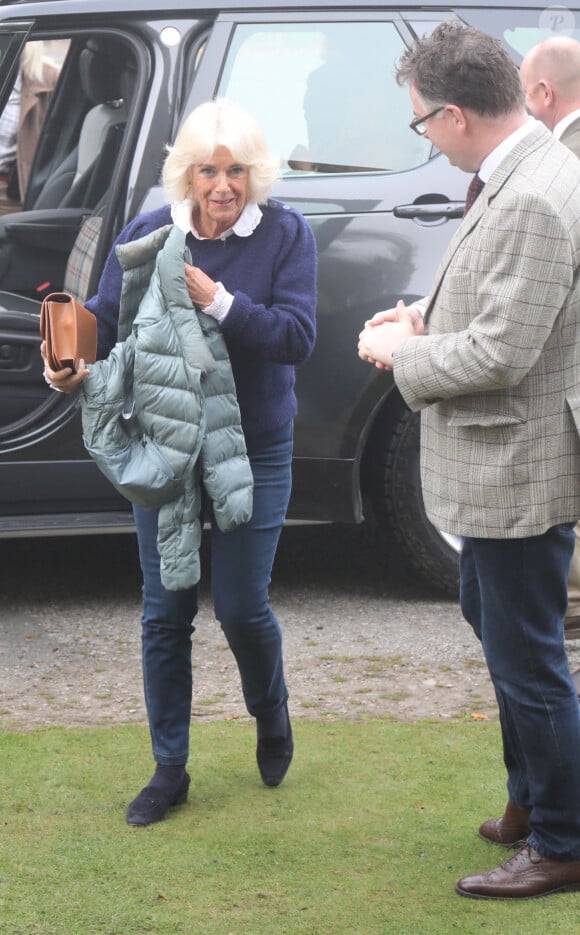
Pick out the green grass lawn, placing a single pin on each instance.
(368, 835)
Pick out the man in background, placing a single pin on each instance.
(551, 79)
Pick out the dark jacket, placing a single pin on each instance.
(160, 413)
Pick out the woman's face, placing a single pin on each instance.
(219, 189)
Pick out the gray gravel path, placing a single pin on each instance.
(361, 637)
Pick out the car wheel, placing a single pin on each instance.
(397, 500)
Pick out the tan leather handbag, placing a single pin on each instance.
(69, 330)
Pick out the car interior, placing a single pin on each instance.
(76, 153)
(49, 244)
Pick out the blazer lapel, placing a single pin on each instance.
(537, 137)
(464, 230)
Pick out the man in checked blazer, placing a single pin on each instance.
(494, 368)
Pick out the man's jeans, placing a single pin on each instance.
(241, 565)
(514, 595)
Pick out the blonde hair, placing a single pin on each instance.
(33, 60)
(220, 123)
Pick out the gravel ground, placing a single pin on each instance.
(361, 637)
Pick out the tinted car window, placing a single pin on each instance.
(310, 85)
(520, 29)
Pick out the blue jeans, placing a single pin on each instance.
(241, 565)
(514, 594)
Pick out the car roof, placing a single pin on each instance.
(10, 9)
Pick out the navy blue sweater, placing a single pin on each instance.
(271, 325)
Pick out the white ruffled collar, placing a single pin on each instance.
(244, 226)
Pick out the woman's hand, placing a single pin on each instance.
(201, 288)
(64, 380)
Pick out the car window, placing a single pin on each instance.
(326, 95)
(520, 39)
(521, 29)
(6, 40)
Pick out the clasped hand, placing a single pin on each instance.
(385, 332)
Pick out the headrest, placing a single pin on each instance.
(100, 65)
(128, 81)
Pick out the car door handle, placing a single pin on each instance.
(433, 211)
(11, 357)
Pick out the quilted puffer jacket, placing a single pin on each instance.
(160, 414)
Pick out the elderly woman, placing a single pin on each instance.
(254, 272)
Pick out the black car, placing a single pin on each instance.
(381, 201)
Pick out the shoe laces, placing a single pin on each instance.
(527, 849)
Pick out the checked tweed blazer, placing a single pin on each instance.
(497, 376)
(571, 136)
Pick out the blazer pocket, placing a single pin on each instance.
(485, 419)
(488, 410)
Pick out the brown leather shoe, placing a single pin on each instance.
(511, 830)
(524, 875)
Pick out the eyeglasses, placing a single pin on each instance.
(419, 124)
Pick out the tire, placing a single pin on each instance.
(397, 500)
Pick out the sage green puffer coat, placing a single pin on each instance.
(160, 414)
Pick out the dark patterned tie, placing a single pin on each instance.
(473, 191)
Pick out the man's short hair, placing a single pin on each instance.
(462, 65)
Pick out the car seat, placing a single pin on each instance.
(82, 177)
